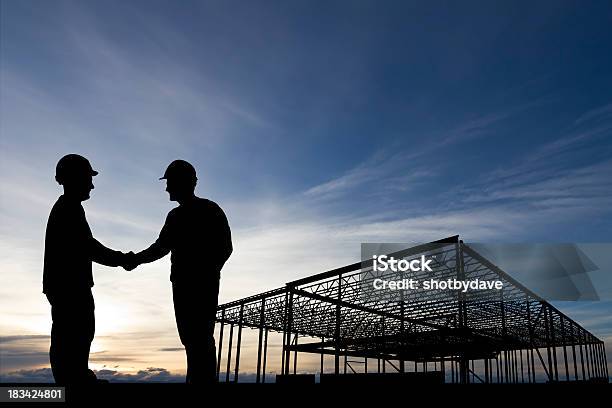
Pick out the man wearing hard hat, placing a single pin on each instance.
(70, 249)
(199, 237)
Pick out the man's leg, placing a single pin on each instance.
(64, 352)
(209, 359)
(181, 306)
(86, 336)
(60, 338)
(202, 356)
(71, 336)
(196, 328)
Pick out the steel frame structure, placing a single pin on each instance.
(512, 335)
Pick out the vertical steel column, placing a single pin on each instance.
(581, 358)
(548, 351)
(586, 353)
(459, 265)
(220, 343)
(505, 373)
(473, 372)
(601, 360)
(532, 364)
(337, 329)
(530, 351)
(295, 355)
(282, 368)
(458, 369)
(497, 368)
(229, 353)
(603, 350)
(238, 343)
(574, 351)
(284, 346)
(510, 374)
(553, 340)
(593, 361)
(522, 373)
(593, 365)
(265, 356)
(502, 310)
(322, 354)
(289, 328)
(260, 339)
(384, 360)
(514, 367)
(528, 365)
(564, 347)
(596, 362)
(402, 368)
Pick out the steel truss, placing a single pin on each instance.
(511, 334)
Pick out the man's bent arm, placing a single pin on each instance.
(153, 253)
(105, 256)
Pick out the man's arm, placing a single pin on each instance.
(156, 251)
(151, 254)
(105, 256)
(223, 242)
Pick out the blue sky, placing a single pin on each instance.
(315, 125)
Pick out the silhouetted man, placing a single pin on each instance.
(198, 235)
(70, 249)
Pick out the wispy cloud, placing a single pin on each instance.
(44, 375)
(147, 375)
(7, 339)
(601, 113)
(391, 165)
(589, 185)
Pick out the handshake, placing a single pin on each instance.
(129, 261)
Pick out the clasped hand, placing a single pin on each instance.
(130, 261)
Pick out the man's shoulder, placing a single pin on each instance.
(59, 205)
(205, 202)
(64, 207)
(201, 207)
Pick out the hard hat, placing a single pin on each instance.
(180, 169)
(73, 165)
